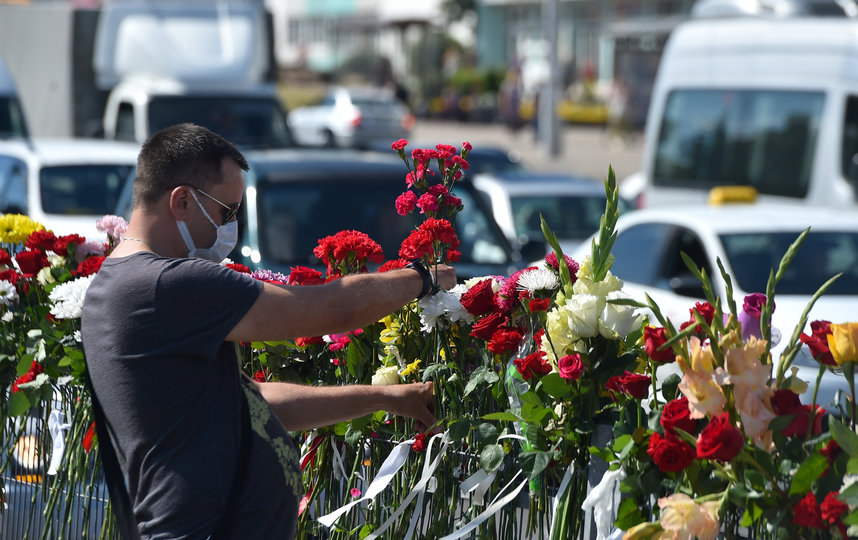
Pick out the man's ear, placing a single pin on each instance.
(180, 202)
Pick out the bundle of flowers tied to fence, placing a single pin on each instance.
(527, 369)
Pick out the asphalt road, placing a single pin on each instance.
(584, 150)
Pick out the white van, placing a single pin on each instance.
(12, 123)
(764, 101)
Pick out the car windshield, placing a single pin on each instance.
(294, 215)
(82, 189)
(759, 138)
(246, 121)
(823, 254)
(569, 216)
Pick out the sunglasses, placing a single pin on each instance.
(229, 210)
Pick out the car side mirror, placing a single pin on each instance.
(687, 285)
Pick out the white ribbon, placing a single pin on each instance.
(388, 470)
(603, 500)
(492, 509)
(340, 469)
(58, 444)
(428, 471)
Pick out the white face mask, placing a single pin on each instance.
(227, 237)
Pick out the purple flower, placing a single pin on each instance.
(752, 309)
(551, 260)
(268, 275)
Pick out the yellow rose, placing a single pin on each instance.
(386, 376)
(843, 342)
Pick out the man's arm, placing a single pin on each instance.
(342, 305)
(301, 408)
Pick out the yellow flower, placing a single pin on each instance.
(705, 397)
(411, 368)
(15, 228)
(843, 342)
(390, 334)
(643, 531)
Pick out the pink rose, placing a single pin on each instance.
(570, 367)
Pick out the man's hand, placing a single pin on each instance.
(415, 401)
(445, 276)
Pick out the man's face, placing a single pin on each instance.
(228, 192)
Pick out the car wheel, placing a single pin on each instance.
(330, 140)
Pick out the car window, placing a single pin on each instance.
(247, 122)
(849, 149)
(823, 255)
(673, 266)
(760, 138)
(13, 185)
(569, 217)
(11, 118)
(82, 189)
(293, 216)
(638, 253)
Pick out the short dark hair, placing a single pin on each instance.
(181, 154)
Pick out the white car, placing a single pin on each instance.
(571, 205)
(352, 117)
(65, 184)
(750, 240)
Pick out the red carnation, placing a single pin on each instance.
(240, 268)
(533, 365)
(806, 513)
(41, 240)
(9, 275)
(418, 245)
(676, 414)
(405, 203)
(259, 376)
(817, 341)
(62, 243)
(479, 299)
(419, 444)
(90, 266)
(30, 262)
(505, 339)
(87, 438)
(539, 304)
(720, 440)
(30, 376)
(485, 327)
(399, 145)
(301, 275)
(5, 259)
(653, 339)
(307, 341)
(670, 453)
(394, 264)
(350, 249)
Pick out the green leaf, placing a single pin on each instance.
(353, 436)
(555, 385)
(486, 433)
(845, 437)
(752, 514)
(628, 514)
(19, 404)
(365, 531)
(459, 429)
(533, 463)
(621, 443)
(431, 371)
(809, 471)
(670, 386)
(503, 416)
(850, 495)
(852, 518)
(491, 457)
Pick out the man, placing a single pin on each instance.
(192, 448)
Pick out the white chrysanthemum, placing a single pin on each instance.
(7, 317)
(540, 279)
(67, 298)
(443, 305)
(8, 293)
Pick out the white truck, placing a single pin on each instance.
(765, 98)
(127, 69)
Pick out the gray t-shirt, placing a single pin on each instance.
(153, 333)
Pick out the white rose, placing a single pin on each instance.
(617, 320)
(582, 311)
(385, 376)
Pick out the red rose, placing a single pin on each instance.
(419, 444)
(89, 266)
(833, 508)
(479, 299)
(653, 339)
(532, 366)
(87, 438)
(30, 262)
(539, 304)
(676, 414)
(307, 341)
(9, 275)
(301, 275)
(5, 259)
(670, 453)
(720, 439)
(570, 367)
(706, 310)
(240, 268)
(831, 450)
(633, 384)
(505, 339)
(806, 513)
(30, 376)
(818, 342)
(485, 327)
(259, 376)
(41, 241)
(785, 401)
